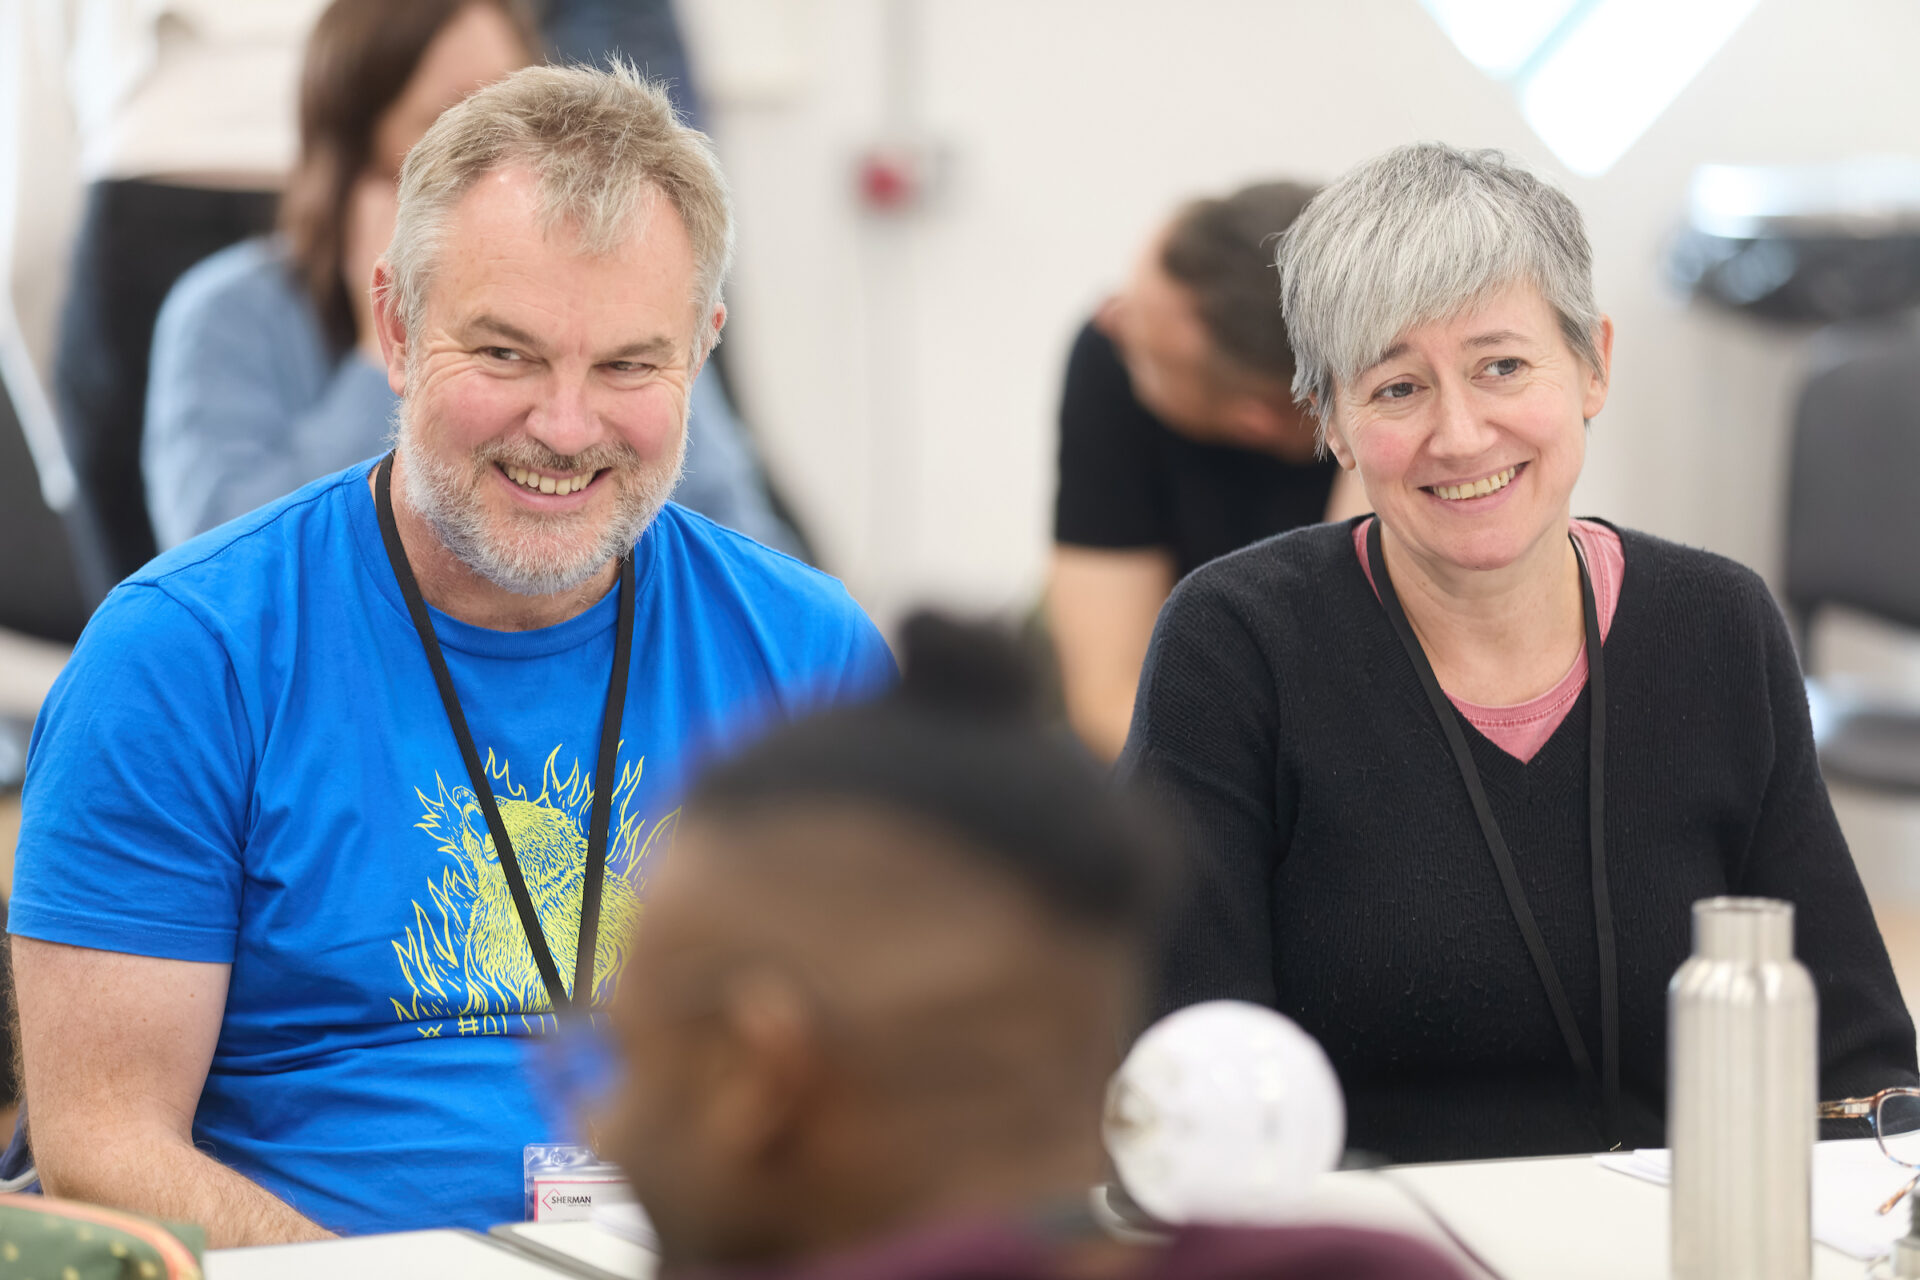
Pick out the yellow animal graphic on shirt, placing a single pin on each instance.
(466, 959)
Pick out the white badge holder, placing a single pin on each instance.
(565, 1183)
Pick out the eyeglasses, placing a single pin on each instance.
(1894, 1115)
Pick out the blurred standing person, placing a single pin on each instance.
(1179, 442)
(185, 122)
(880, 987)
(267, 371)
(646, 32)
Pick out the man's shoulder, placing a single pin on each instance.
(1094, 348)
(705, 546)
(274, 544)
(796, 625)
(1098, 392)
(725, 566)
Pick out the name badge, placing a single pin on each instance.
(566, 1183)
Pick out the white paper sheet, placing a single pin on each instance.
(628, 1221)
(1850, 1180)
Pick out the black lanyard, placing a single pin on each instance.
(1608, 1088)
(603, 782)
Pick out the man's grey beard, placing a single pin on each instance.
(529, 559)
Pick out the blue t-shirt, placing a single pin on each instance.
(246, 762)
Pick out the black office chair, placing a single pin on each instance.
(1853, 537)
(39, 589)
(39, 586)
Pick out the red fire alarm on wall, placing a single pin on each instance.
(897, 177)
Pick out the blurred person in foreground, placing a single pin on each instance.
(335, 809)
(267, 369)
(889, 970)
(1416, 825)
(1179, 442)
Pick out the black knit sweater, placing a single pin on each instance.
(1341, 877)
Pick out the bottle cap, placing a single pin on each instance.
(1753, 930)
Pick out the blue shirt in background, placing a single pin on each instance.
(246, 762)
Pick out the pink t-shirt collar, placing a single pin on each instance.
(1522, 730)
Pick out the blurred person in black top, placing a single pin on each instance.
(1179, 442)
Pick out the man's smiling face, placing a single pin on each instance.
(546, 389)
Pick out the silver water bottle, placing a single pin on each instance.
(1742, 1082)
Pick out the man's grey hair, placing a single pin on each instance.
(1420, 234)
(605, 145)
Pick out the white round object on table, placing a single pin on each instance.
(1224, 1112)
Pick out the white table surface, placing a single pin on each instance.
(1559, 1218)
(417, 1255)
(586, 1243)
(1555, 1218)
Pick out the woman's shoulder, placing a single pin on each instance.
(242, 299)
(1692, 586)
(1272, 596)
(1271, 570)
(1695, 565)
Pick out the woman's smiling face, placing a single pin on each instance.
(1470, 432)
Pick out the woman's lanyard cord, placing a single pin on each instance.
(604, 782)
(1607, 1086)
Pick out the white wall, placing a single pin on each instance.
(903, 372)
(39, 182)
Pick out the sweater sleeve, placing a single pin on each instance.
(1202, 748)
(1797, 853)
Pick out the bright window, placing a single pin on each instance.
(1498, 36)
(1591, 75)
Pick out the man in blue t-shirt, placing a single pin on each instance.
(339, 807)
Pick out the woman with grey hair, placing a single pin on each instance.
(1453, 773)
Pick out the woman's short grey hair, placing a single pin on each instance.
(605, 145)
(1420, 234)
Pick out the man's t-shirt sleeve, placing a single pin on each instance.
(870, 668)
(134, 810)
(1110, 485)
